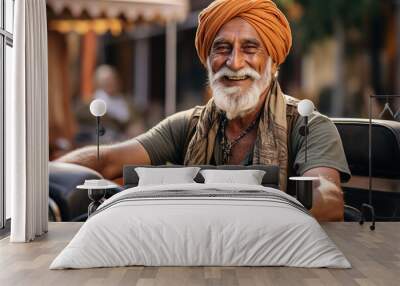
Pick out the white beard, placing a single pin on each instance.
(234, 101)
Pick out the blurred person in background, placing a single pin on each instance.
(121, 120)
(108, 89)
(248, 120)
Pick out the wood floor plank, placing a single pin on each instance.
(374, 255)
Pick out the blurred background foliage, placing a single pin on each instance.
(314, 20)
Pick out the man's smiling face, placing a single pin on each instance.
(238, 46)
(239, 68)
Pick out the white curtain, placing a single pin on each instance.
(27, 124)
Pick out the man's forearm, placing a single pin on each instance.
(112, 157)
(86, 156)
(328, 204)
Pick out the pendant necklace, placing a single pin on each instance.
(228, 145)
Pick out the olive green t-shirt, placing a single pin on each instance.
(166, 143)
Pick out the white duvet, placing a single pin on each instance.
(183, 230)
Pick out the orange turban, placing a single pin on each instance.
(269, 22)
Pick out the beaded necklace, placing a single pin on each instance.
(228, 145)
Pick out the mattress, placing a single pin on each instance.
(201, 225)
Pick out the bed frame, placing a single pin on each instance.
(270, 179)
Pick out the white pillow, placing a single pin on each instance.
(163, 176)
(248, 177)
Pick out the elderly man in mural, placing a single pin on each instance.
(248, 120)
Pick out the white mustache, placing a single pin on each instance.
(225, 71)
(233, 100)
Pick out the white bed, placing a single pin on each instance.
(201, 224)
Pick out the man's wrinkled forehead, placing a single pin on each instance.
(226, 40)
(239, 30)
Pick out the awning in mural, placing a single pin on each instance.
(113, 15)
(167, 10)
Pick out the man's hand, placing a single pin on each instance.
(328, 204)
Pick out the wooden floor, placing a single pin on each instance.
(375, 257)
